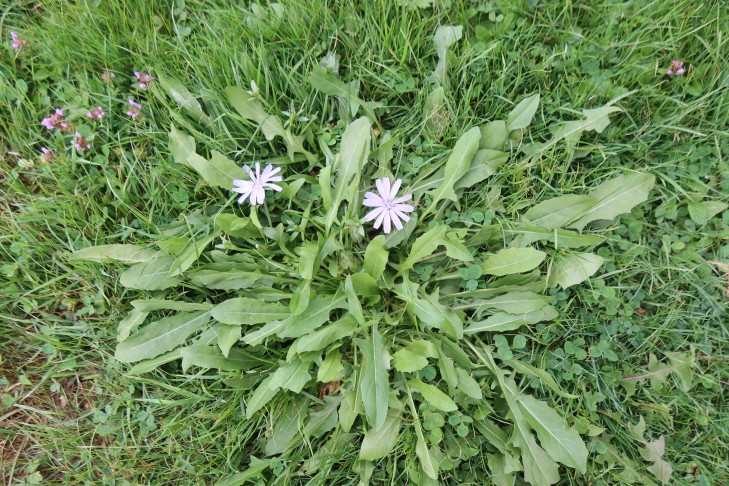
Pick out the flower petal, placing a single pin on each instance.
(275, 187)
(403, 208)
(404, 198)
(386, 186)
(381, 187)
(373, 202)
(388, 226)
(401, 215)
(396, 220)
(378, 222)
(372, 214)
(395, 188)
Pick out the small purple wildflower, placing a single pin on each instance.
(107, 76)
(47, 154)
(18, 43)
(55, 121)
(96, 113)
(676, 68)
(134, 110)
(81, 144)
(144, 79)
(389, 209)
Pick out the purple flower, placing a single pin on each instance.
(55, 121)
(81, 144)
(676, 68)
(18, 43)
(389, 209)
(134, 110)
(255, 188)
(96, 113)
(107, 76)
(144, 78)
(47, 154)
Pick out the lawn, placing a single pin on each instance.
(615, 359)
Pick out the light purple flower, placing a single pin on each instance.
(47, 154)
(107, 76)
(81, 144)
(144, 79)
(255, 188)
(134, 110)
(676, 68)
(96, 113)
(389, 209)
(18, 43)
(55, 121)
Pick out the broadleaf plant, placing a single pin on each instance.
(298, 297)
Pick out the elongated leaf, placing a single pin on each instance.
(191, 253)
(147, 365)
(263, 394)
(251, 109)
(329, 84)
(326, 335)
(153, 275)
(557, 212)
(133, 320)
(375, 384)
(501, 321)
(445, 36)
(429, 465)
(522, 114)
(210, 357)
(331, 368)
(184, 98)
(562, 443)
(237, 227)
(315, 315)
(116, 253)
(468, 385)
(561, 238)
(407, 361)
(574, 269)
(151, 305)
(375, 257)
(458, 164)
(286, 427)
(161, 336)
(513, 260)
(227, 277)
(516, 302)
(243, 310)
(256, 467)
(181, 145)
(434, 396)
(219, 171)
(354, 149)
(353, 303)
(227, 337)
(292, 376)
(493, 135)
(615, 197)
(324, 419)
(378, 443)
(424, 310)
(485, 163)
(424, 246)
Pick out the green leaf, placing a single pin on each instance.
(116, 253)
(378, 443)
(445, 36)
(574, 269)
(292, 376)
(501, 321)
(161, 336)
(184, 98)
(315, 315)
(130, 323)
(254, 470)
(543, 375)
(434, 396)
(353, 303)
(331, 368)
(153, 275)
(407, 361)
(219, 171)
(424, 246)
(251, 109)
(354, 149)
(151, 305)
(562, 443)
(286, 427)
(522, 114)
(204, 356)
(452, 324)
(191, 253)
(152, 364)
(456, 250)
(325, 419)
(375, 383)
(560, 238)
(436, 112)
(557, 212)
(516, 302)
(615, 197)
(458, 164)
(429, 465)
(181, 145)
(493, 135)
(485, 163)
(329, 84)
(375, 257)
(226, 277)
(468, 385)
(263, 394)
(227, 337)
(243, 310)
(513, 260)
(327, 335)
(237, 227)
(307, 258)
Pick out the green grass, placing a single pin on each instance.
(70, 414)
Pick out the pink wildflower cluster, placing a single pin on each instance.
(47, 154)
(81, 144)
(96, 113)
(55, 121)
(18, 43)
(676, 68)
(144, 79)
(134, 110)
(107, 76)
